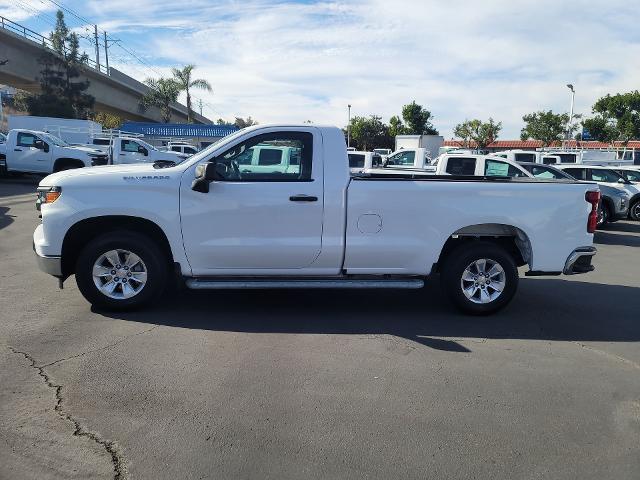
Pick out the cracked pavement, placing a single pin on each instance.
(290, 385)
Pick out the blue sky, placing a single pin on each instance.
(291, 61)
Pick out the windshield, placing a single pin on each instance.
(632, 175)
(607, 176)
(58, 142)
(146, 145)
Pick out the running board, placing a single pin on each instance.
(210, 284)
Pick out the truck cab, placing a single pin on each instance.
(408, 158)
(126, 150)
(478, 165)
(30, 151)
(182, 147)
(360, 161)
(528, 156)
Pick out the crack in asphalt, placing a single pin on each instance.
(611, 356)
(99, 349)
(117, 458)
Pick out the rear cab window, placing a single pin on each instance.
(356, 160)
(525, 157)
(461, 166)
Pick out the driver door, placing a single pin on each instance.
(255, 221)
(130, 152)
(27, 157)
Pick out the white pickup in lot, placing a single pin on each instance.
(219, 221)
(29, 151)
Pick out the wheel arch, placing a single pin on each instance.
(84, 231)
(65, 160)
(513, 239)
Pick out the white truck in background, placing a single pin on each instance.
(549, 156)
(417, 158)
(220, 221)
(431, 143)
(125, 150)
(29, 151)
(361, 161)
(72, 131)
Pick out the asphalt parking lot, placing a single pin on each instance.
(318, 384)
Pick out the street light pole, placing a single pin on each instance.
(573, 96)
(349, 127)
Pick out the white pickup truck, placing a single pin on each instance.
(135, 150)
(30, 151)
(220, 221)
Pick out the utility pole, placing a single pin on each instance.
(200, 105)
(573, 96)
(349, 127)
(95, 37)
(106, 51)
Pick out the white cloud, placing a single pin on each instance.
(293, 61)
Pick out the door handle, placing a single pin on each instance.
(303, 198)
(122, 154)
(17, 149)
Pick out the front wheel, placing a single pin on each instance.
(634, 211)
(479, 278)
(121, 271)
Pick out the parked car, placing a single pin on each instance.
(30, 151)
(360, 161)
(614, 202)
(608, 176)
(218, 222)
(182, 147)
(631, 174)
(477, 165)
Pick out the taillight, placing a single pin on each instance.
(594, 199)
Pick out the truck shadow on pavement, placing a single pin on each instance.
(554, 310)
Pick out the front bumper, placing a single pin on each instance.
(51, 265)
(580, 261)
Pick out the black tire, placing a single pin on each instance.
(634, 211)
(457, 262)
(141, 245)
(604, 215)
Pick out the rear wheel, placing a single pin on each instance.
(603, 214)
(121, 270)
(634, 211)
(479, 278)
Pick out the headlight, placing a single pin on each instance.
(47, 195)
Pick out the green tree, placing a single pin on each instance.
(546, 126)
(617, 117)
(479, 132)
(107, 120)
(418, 120)
(183, 78)
(368, 133)
(162, 93)
(61, 93)
(396, 127)
(244, 123)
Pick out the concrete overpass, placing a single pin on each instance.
(114, 91)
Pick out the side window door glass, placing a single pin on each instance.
(496, 168)
(284, 156)
(461, 166)
(26, 139)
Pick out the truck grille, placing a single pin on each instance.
(101, 160)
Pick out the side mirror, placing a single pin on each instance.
(622, 180)
(205, 174)
(39, 144)
(143, 151)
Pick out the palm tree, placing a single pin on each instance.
(164, 91)
(185, 82)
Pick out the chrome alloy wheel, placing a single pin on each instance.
(119, 274)
(483, 281)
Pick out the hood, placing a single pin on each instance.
(108, 172)
(82, 148)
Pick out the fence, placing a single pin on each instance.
(29, 34)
